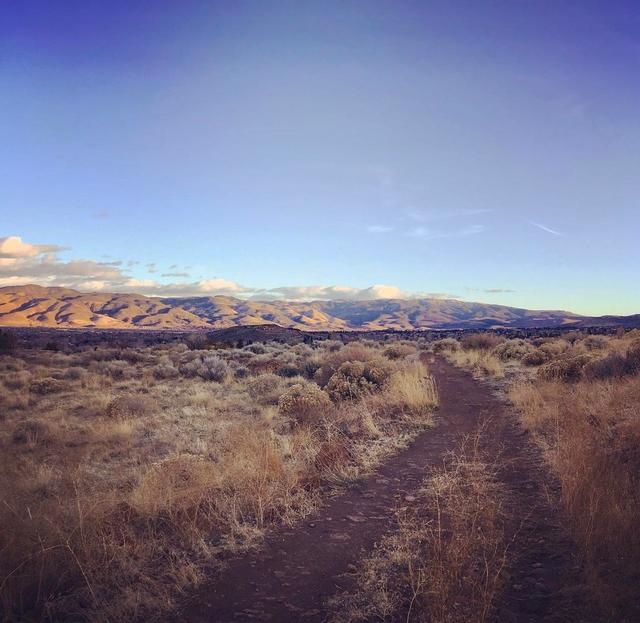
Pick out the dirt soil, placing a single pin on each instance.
(296, 570)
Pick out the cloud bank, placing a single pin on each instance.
(22, 263)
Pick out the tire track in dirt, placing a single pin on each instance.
(296, 570)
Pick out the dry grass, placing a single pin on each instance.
(445, 561)
(124, 471)
(579, 396)
(590, 430)
(481, 362)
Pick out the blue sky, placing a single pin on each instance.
(484, 150)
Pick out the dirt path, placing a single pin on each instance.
(296, 570)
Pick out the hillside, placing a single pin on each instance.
(36, 306)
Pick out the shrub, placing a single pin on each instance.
(535, 358)
(178, 483)
(633, 358)
(241, 372)
(554, 348)
(398, 351)
(614, 365)
(209, 368)
(512, 349)
(165, 371)
(48, 385)
(196, 341)
(352, 352)
(481, 341)
(17, 380)
(595, 342)
(447, 344)
(289, 371)
(355, 379)
(75, 374)
(118, 369)
(130, 406)
(266, 389)
(571, 336)
(305, 403)
(256, 349)
(567, 370)
(310, 367)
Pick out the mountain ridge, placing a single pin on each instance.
(54, 307)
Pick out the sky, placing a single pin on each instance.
(483, 150)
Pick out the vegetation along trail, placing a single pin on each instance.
(297, 570)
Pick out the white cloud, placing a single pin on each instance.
(545, 228)
(40, 264)
(431, 234)
(12, 247)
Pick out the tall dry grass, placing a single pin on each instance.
(123, 472)
(591, 433)
(481, 362)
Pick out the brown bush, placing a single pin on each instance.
(447, 344)
(355, 379)
(595, 342)
(398, 351)
(176, 484)
(48, 385)
(305, 403)
(513, 349)
(614, 365)
(567, 370)
(130, 406)
(481, 341)
(266, 389)
(352, 352)
(535, 358)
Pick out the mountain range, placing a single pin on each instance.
(37, 306)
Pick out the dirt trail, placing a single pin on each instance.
(296, 570)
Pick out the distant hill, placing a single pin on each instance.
(37, 306)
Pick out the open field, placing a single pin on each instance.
(124, 471)
(138, 482)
